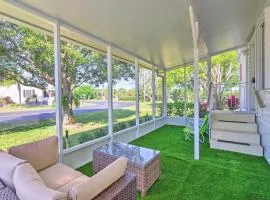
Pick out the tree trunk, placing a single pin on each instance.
(68, 116)
(20, 92)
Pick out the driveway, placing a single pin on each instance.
(36, 115)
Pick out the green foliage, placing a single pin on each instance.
(123, 125)
(27, 57)
(177, 95)
(66, 100)
(127, 98)
(86, 92)
(225, 69)
(177, 109)
(124, 94)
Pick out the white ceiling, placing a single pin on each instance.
(227, 23)
(156, 31)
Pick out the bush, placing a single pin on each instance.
(86, 92)
(233, 102)
(127, 98)
(178, 109)
(6, 101)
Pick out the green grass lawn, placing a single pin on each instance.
(218, 175)
(92, 125)
(20, 108)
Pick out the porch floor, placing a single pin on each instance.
(217, 175)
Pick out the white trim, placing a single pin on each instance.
(153, 93)
(137, 89)
(209, 71)
(194, 26)
(185, 91)
(110, 98)
(164, 82)
(58, 88)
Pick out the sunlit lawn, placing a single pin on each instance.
(20, 108)
(15, 134)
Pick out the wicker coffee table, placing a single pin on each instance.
(143, 162)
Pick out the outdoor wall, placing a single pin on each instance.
(267, 47)
(263, 119)
(263, 114)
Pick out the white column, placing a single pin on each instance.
(58, 88)
(209, 93)
(267, 48)
(153, 93)
(165, 94)
(194, 26)
(209, 71)
(137, 97)
(248, 80)
(185, 93)
(110, 98)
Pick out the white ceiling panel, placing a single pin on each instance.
(227, 24)
(155, 31)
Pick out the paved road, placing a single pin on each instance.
(47, 114)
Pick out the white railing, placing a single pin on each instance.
(230, 96)
(210, 103)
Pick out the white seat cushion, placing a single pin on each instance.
(30, 186)
(68, 186)
(58, 175)
(8, 163)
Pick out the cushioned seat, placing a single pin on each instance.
(43, 178)
(58, 175)
(73, 183)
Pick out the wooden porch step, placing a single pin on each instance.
(235, 126)
(235, 136)
(253, 149)
(237, 116)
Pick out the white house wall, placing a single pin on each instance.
(12, 91)
(267, 47)
(263, 114)
(263, 121)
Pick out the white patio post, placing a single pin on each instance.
(248, 86)
(209, 94)
(153, 93)
(137, 97)
(185, 92)
(110, 98)
(209, 71)
(194, 26)
(164, 94)
(58, 88)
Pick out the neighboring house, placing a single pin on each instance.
(44, 97)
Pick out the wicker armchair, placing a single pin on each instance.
(33, 172)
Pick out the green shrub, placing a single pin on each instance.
(178, 109)
(127, 98)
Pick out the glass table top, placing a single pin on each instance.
(138, 155)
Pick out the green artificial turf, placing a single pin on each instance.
(217, 175)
